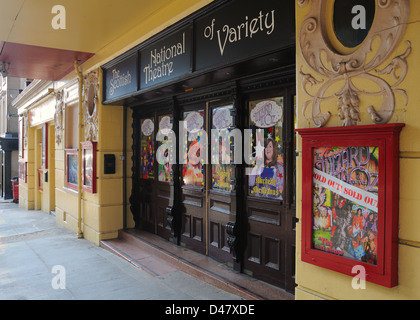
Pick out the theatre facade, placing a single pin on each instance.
(219, 82)
(277, 137)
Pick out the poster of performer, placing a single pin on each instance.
(267, 179)
(345, 202)
(147, 149)
(192, 170)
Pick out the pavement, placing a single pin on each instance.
(40, 260)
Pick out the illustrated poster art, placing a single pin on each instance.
(345, 202)
(165, 172)
(267, 179)
(192, 170)
(147, 149)
(222, 172)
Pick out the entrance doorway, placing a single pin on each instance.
(270, 188)
(235, 211)
(208, 178)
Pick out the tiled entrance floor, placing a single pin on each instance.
(159, 257)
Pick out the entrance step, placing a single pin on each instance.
(158, 257)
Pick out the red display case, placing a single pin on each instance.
(350, 200)
(89, 166)
(72, 163)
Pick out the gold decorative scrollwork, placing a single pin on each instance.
(90, 106)
(58, 117)
(318, 52)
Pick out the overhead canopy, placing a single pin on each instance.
(36, 50)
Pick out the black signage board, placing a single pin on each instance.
(121, 79)
(241, 29)
(166, 59)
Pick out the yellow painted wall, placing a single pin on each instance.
(102, 213)
(318, 283)
(26, 189)
(169, 14)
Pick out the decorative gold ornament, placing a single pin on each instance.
(58, 117)
(90, 106)
(387, 30)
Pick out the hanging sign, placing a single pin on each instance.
(147, 127)
(266, 114)
(166, 59)
(194, 122)
(165, 125)
(230, 34)
(121, 79)
(222, 119)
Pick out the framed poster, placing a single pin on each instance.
(350, 196)
(266, 179)
(23, 166)
(44, 146)
(222, 152)
(193, 169)
(89, 166)
(165, 170)
(147, 141)
(72, 164)
(21, 137)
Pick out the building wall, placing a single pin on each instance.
(103, 212)
(318, 283)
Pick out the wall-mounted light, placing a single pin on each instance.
(4, 68)
(12, 115)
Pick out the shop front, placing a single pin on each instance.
(212, 100)
(37, 156)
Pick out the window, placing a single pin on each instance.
(266, 179)
(72, 164)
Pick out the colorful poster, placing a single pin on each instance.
(267, 180)
(222, 171)
(192, 171)
(345, 202)
(72, 168)
(88, 169)
(147, 157)
(165, 172)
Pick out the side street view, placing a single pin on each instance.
(210, 150)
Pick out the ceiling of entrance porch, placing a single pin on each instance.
(36, 50)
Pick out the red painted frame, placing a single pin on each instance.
(386, 137)
(71, 152)
(89, 145)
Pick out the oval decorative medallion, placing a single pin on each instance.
(194, 122)
(352, 21)
(266, 114)
(147, 127)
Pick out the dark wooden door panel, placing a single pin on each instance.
(193, 233)
(162, 202)
(269, 246)
(220, 214)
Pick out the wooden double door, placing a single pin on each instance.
(227, 187)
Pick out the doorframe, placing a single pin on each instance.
(280, 78)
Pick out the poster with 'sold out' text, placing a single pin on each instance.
(345, 202)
